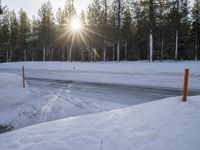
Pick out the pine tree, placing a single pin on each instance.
(46, 25)
(151, 24)
(119, 11)
(94, 14)
(162, 25)
(15, 34)
(24, 30)
(196, 25)
(112, 21)
(70, 12)
(5, 33)
(126, 28)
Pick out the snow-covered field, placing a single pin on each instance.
(161, 125)
(165, 74)
(58, 90)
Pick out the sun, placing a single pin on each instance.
(76, 24)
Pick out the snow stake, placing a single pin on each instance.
(23, 77)
(185, 87)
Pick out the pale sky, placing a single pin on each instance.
(32, 6)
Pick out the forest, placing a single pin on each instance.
(112, 30)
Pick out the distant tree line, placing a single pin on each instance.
(114, 30)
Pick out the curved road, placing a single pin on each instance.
(121, 94)
(65, 98)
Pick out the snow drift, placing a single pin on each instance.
(167, 124)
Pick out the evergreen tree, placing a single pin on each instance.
(15, 34)
(24, 30)
(5, 33)
(126, 28)
(46, 26)
(196, 26)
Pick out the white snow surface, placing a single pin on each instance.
(11, 91)
(167, 124)
(21, 107)
(167, 74)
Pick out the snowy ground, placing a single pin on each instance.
(161, 125)
(165, 74)
(58, 90)
(22, 107)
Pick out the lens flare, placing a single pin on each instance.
(76, 25)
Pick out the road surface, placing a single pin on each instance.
(87, 97)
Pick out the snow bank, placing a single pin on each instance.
(11, 93)
(113, 67)
(23, 107)
(167, 124)
(167, 74)
(12, 96)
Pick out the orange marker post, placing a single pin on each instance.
(185, 87)
(23, 77)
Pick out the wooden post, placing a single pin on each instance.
(23, 77)
(185, 87)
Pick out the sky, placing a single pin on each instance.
(32, 6)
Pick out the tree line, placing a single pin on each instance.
(115, 30)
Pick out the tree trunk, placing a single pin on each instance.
(24, 54)
(125, 50)
(44, 52)
(95, 56)
(162, 49)
(196, 47)
(11, 52)
(62, 51)
(176, 50)
(118, 51)
(44, 57)
(104, 54)
(7, 56)
(113, 51)
(151, 46)
(52, 53)
(91, 56)
(82, 55)
(70, 54)
(33, 55)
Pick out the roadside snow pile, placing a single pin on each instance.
(113, 67)
(21, 107)
(12, 96)
(11, 93)
(167, 74)
(167, 124)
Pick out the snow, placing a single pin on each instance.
(11, 86)
(166, 74)
(167, 124)
(21, 107)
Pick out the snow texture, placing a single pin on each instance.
(166, 74)
(22, 107)
(167, 124)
